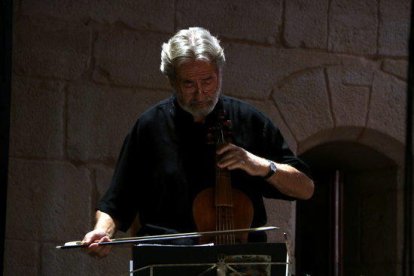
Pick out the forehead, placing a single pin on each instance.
(195, 69)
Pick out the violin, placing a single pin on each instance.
(222, 207)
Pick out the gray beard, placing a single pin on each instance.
(200, 112)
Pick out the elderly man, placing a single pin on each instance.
(166, 161)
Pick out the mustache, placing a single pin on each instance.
(205, 101)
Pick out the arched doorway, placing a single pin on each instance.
(352, 225)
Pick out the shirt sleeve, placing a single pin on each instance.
(118, 201)
(279, 151)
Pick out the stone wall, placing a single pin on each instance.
(325, 70)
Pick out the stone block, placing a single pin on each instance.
(76, 262)
(306, 24)
(21, 257)
(394, 27)
(103, 176)
(347, 132)
(129, 58)
(157, 15)
(47, 201)
(349, 101)
(64, 9)
(248, 72)
(350, 105)
(387, 106)
(398, 68)
(99, 118)
(37, 118)
(304, 100)
(101, 179)
(269, 109)
(252, 72)
(117, 263)
(360, 74)
(154, 15)
(279, 213)
(53, 49)
(353, 27)
(65, 262)
(257, 21)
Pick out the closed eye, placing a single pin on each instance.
(188, 84)
(208, 80)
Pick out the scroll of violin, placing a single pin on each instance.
(222, 207)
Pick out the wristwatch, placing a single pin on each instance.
(272, 170)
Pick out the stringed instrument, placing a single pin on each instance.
(222, 207)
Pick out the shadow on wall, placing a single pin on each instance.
(352, 223)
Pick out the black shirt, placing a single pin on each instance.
(166, 160)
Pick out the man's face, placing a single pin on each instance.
(197, 86)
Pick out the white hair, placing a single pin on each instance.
(188, 45)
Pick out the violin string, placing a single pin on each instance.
(231, 221)
(224, 210)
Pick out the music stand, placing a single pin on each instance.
(268, 259)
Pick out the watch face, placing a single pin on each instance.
(273, 167)
(272, 171)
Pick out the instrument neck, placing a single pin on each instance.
(223, 188)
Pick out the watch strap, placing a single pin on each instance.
(272, 170)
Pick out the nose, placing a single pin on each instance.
(200, 88)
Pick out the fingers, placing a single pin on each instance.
(232, 157)
(223, 148)
(92, 239)
(98, 251)
(231, 162)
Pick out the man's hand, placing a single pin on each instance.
(288, 180)
(105, 228)
(94, 249)
(234, 157)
